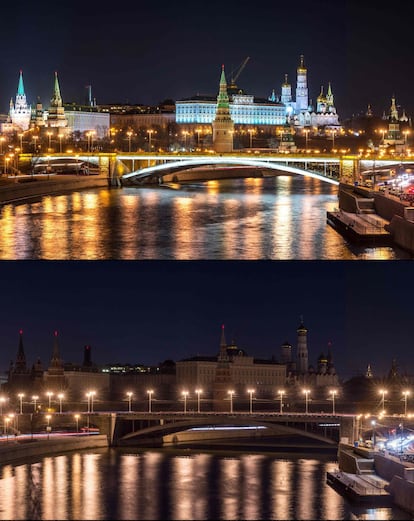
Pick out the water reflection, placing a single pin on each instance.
(120, 484)
(261, 218)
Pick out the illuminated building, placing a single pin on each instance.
(300, 372)
(223, 126)
(231, 367)
(246, 109)
(393, 137)
(20, 112)
(56, 113)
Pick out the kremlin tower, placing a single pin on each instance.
(223, 125)
(20, 112)
(302, 99)
(56, 114)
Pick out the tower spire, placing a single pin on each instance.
(20, 87)
(223, 125)
(21, 357)
(56, 100)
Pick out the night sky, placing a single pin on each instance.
(145, 52)
(150, 311)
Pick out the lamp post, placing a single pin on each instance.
(129, 394)
(250, 391)
(49, 394)
(21, 396)
(333, 392)
(198, 392)
(88, 396)
(21, 141)
(149, 132)
(150, 393)
(306, 393)
(34, 398)
(2, 401)
(35, 138)
(6, 430)
(77, 416)
(383, 392)
(185, 394)
(60, 396)
(281, 393)
(251, 132)
(373, 422)
(92, 393)
(50, 140)
(405, 394)
(198, 130)
(306, 131)
(129, 134)
(2, 139)
(48, 416)
(185, 134)
(60, 136)
(333, 139)
(230, 393)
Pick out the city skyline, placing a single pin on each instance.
(145, 54)
(148, 312)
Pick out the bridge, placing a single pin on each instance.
(138, 168)
(177, 428)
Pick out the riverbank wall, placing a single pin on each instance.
(14, 191)
(17, 450)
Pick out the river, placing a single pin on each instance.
(279, 218)
(151, 485)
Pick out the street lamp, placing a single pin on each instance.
(333, 392)
(306, 393)
(185, 134)
(6, 430)
(92, 393)
(2, 140)
(251, 391)
(20, 395)
(185, 394)
(383, 392)
(60, 396)
(48, 416)
(2, 401)
(281, 393)
(251, 132)
(230, 393)
(129, 134)
(198, 130)
(77, 416)
(35, 138)
(35, 398)
(21, 141)
(129, 394)
(198, 392)
(405, 394)
(50, 140)
(150, 393)
(149, 132)
(60, 136)
(306, 131)
(373, 422)
(49, 394)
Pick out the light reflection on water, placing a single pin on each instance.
(271, 218)
(127, 484)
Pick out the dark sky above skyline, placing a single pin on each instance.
(145, 52)
(149, 311)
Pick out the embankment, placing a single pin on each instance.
(15, 192)
(15, 451)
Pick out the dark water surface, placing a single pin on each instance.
(280, 217)
(114, 484)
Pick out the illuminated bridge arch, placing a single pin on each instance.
(156, 172)
(176, 431)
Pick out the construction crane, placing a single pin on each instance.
(238, 71)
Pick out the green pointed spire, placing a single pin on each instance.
(20, 88)
(223, 98)
(57, 98)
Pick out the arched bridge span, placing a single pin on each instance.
(136, 429)
(317, 168)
